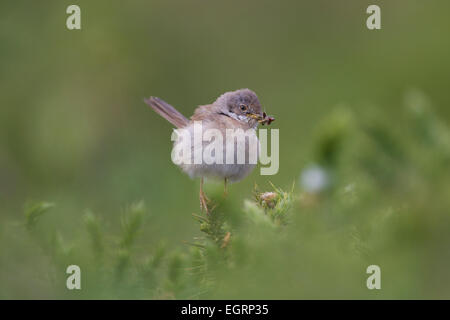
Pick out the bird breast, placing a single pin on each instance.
(217, 149)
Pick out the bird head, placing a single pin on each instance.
(242, 105)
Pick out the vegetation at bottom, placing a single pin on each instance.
(374, 193)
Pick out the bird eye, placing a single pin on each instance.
(243, 107)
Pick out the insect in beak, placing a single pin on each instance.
(254, 116)
(264, 119)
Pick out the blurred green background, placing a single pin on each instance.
(372, 107)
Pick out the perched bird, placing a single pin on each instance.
(238, 109)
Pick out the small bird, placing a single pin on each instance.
(238, 109)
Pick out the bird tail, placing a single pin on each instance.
(166, 111)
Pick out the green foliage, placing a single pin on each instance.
(34, 212)
(131, 223)
(93, 227)
(378, 210)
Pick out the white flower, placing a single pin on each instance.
(314, 179)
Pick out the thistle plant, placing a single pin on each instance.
(215, 227)
(276, 203)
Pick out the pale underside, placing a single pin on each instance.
(234, 171)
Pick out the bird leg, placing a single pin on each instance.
(203, 198)
(225, 192)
